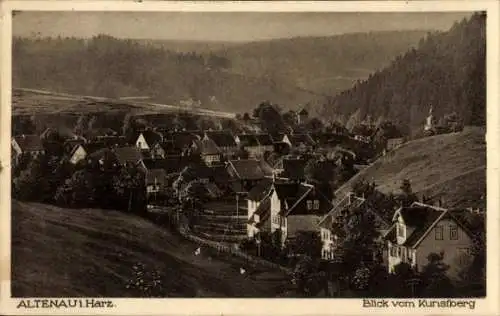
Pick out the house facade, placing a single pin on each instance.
(421, 229)
(78, 154)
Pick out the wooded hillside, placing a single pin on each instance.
(447, 70)
(231, 77)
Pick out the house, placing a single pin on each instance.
(164, 150)
(147, 139)
(103, 159)
(95, 133)
(245, 173)
(302, 116)
(128, 156)
(255, 145)
(155, 181)
(111, 141)
(183, 142)
(289, 208)
(422, 229)
(301, 142)
(335, 216)
(259, 207)
(224, 141)
(208, 151)
(58, 134)
(27, 145)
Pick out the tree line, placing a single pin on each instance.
(447, 70)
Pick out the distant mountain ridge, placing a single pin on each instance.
(289, 72)
(446, 71)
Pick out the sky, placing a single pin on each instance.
(219, 26)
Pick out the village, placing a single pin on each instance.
(269, 193)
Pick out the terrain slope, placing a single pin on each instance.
(451, 167)
(60, 252)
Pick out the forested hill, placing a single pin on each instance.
(223, 76)
(446, 70)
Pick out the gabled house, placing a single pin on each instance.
(296, 207)
(224, 141)
(147, 139)
(208, 151)
(246, 173)
(77, 154)
(292, 168)
(164, 150)
(285, 207)
(421, 229)
(26, 145)
(302, 116)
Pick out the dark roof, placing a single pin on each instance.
(264, 139)
(103, 153)
(182, 140)
(294, 168)
(264, 211)
(29, 143)
(297, 139)
(70, 145)
(111, 141)
(248, 140)
(170, 165)
(249, 169)
(420, 218)
(151, 137)
(93, 147)
(207, 147)
(222, 139)
(291, 193)
(129, 154)
(95, 132)
(259, 191)
(391, 234)
(303, 112)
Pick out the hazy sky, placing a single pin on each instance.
(222, 26)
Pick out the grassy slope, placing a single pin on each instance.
(450, 166)
(90, 252)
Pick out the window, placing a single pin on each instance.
(309, 205)
(453, 232)
(438, 232)
(316, 204)
(398, 254)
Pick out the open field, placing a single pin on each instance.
(450, 166)
(90, 252)
(33, 101)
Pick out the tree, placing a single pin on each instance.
(306, 277)
(130, 186)
(77, 191)
(435, 281)
(306, 243)
(407, 197)
(246, 117)
(32, 183)
(314, 125)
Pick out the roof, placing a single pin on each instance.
(111, 141)
(264, 139)
(264, 211)
(70, 144)
(29, 143)
(183, 139)
(222, 139)
(151, 137)
(303, 112)
(291, 193)
(207, 147)
(297, 139)
(421, 218)
(249, 169)
(248, 140)
(294, 168)
(129, 154)
(93, 147)
(259, 191)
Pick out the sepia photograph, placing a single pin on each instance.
(333, 155)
